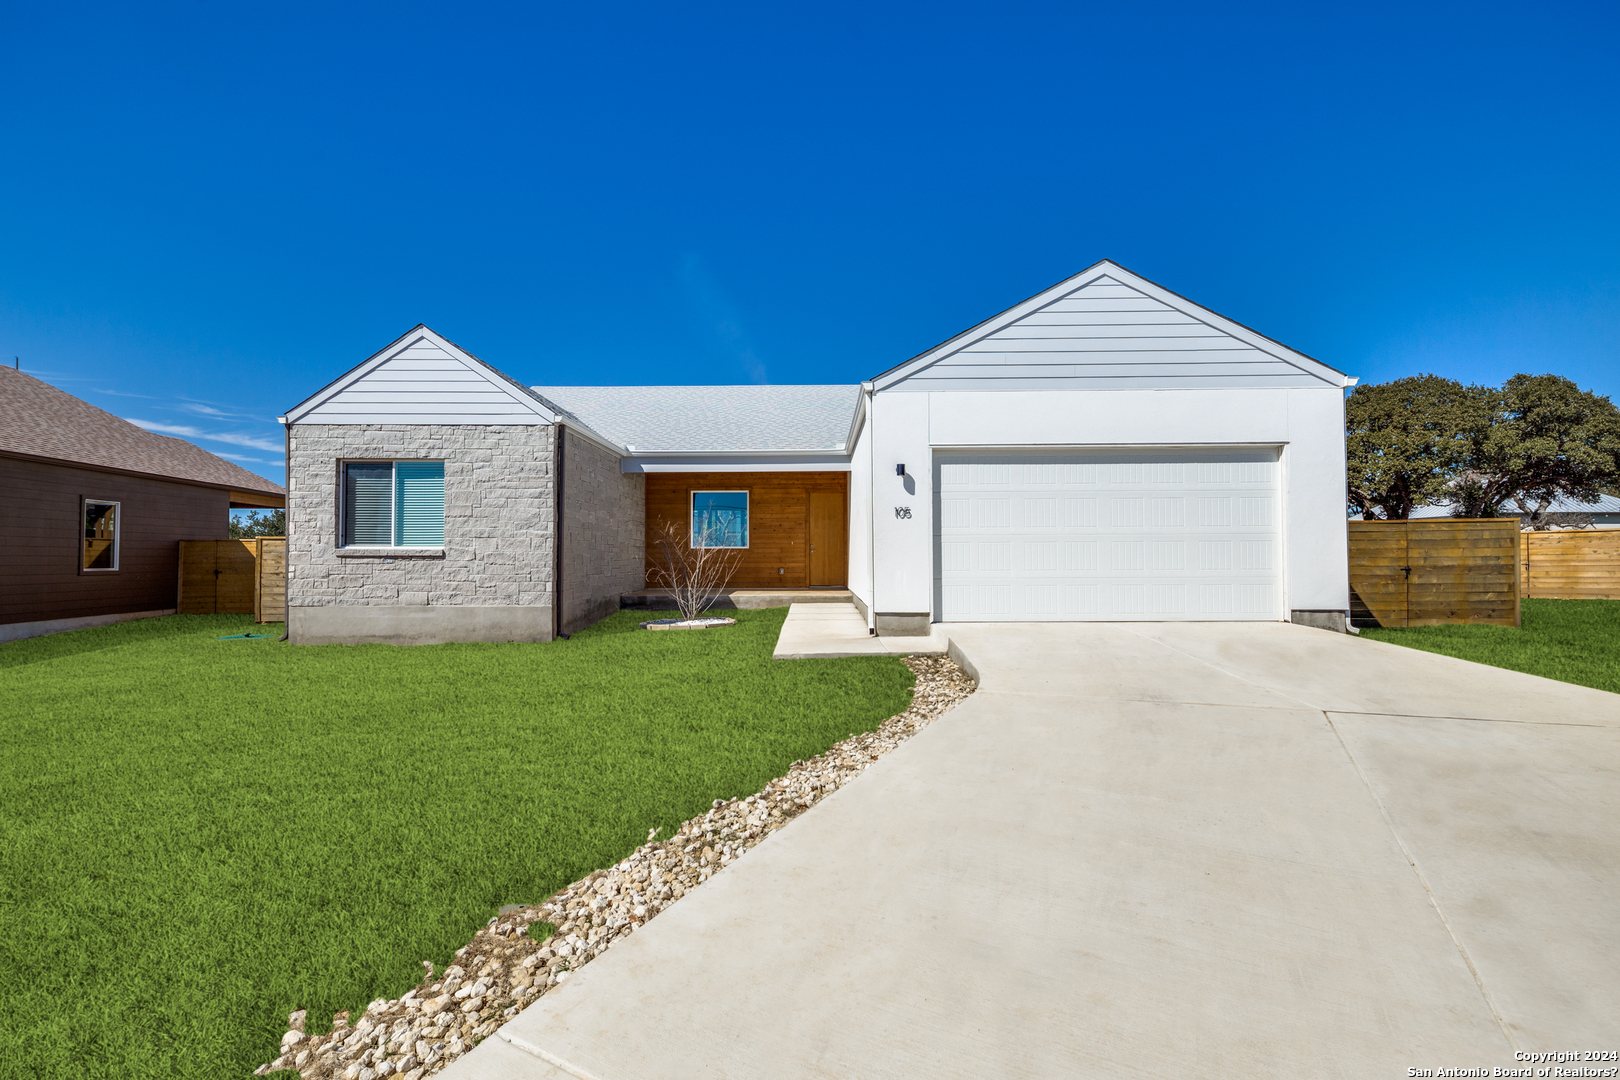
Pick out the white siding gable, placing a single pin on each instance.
(422, 379)
(1108, 329)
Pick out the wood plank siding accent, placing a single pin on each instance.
(1106, 335)
(41, 539)
(1570, 564)
(424, 384)
(1424, 573)
(778, 521)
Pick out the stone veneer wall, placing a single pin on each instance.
(494, 580)
(603, 532)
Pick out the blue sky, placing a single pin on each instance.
(208, 211)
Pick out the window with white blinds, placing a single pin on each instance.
(368, 504)
(393, 504)
(419, 503)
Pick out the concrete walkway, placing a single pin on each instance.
(1155, 850)
(815, 631)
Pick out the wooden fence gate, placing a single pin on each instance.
(234, 577)
(1423, 573)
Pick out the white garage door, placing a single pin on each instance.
(1054, 536)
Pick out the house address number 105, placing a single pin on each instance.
(902, 512)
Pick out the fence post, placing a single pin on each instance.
(1518, 580)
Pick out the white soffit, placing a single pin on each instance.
(423, 378)
(1107, 328)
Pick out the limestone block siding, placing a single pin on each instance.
(499, 516)
(603, 532)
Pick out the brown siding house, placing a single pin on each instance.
(92, 509)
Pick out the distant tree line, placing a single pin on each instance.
(270, 523)
(1427, 440)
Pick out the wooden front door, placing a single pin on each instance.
(829, 539)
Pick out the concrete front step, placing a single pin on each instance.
(822, 631)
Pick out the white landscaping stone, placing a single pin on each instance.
(514, 970)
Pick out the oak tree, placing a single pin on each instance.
(1405, 441)
(1548, 439)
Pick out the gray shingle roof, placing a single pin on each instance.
(41, 421)
(712, 418)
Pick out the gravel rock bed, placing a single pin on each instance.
(503, 969)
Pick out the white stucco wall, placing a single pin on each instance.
(860, 519)
(1306, 423)
(1318, 555)
(904, 570)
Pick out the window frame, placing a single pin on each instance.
(344, 543)
(85, 502)
(748, 517)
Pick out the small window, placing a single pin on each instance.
(720, 519)
(393, 504)
(100, 535)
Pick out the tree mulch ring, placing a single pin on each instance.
(687, 624)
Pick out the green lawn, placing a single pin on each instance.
(198, 836)
(1574, 641)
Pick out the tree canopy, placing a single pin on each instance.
(1548, 439)
(1427, 439)
(1405, 441)
(270, 523)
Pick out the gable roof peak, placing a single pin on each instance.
(416, 338)
(430, 385)
(1109, 274)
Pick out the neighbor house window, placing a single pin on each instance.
(720, 519)
(393, 504)
(100, 535)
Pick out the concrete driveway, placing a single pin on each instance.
(1150, 850)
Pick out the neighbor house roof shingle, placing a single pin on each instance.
(1603, 504)
(713, 418)
(38, 420)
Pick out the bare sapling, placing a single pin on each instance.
(695, 571)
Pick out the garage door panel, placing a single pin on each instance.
(1183, 534)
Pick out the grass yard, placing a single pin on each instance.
(198, 836)
(1573, 641)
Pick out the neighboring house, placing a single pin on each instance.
(1106, 450)
(92, 509)
(1604, 511)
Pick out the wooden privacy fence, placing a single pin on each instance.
(270, 588)
(234, 577)
(1570, 564)
(1422, 573)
